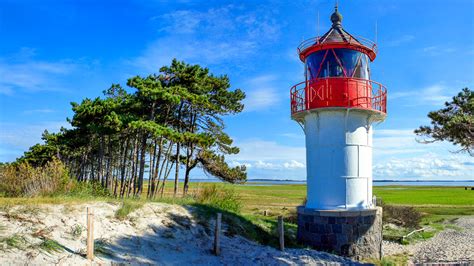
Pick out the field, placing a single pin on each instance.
(257, 198)
(431, 200)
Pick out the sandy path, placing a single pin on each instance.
(447, 246)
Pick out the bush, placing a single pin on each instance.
(23, 180)
(405, 216)
(220, 197)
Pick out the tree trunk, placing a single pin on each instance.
(142, 165)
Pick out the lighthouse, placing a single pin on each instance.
(337, 105)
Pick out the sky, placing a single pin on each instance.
(56, 52)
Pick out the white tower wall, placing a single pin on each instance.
(339, 159)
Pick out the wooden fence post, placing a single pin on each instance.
(281, 232)
(217, 248)
(90, 234)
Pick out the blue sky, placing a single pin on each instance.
(55, 52)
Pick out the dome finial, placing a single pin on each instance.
(336, 17)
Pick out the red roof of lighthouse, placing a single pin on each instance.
(337, 37)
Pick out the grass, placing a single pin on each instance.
(395, 260)
(127, 207)
(76, 231)
(15, 241)
(51, 246)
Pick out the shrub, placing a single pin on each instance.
(405, 216)
(23, 180)
(220, 197)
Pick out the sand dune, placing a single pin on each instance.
(157, 233)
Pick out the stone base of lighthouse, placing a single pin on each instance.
(351, 233)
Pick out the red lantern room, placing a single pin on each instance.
(337, 74)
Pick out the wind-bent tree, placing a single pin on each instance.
(170, 120)
(454, 123)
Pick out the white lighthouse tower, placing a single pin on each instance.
(336, 106)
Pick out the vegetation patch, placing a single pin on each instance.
(404, 216)
(127, 207)
(15, 241)
(22, 179)
(220, 197)
(76, 231)
(394, 260)
(50, 246)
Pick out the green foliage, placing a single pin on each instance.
(173, 118)
(259, 229)
(127, 207)
(215, 165)
(220, 197)
(454, 123)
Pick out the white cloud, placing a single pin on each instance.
(17, 138)
(429, 166)
(234, 163)
(261, 93)
(293, 164)
(269, 159)
(22, 72)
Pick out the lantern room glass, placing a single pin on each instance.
(337, 63)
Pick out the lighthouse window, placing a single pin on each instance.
(337, 63)
(313, 63)
(354, 63)
(331, 67)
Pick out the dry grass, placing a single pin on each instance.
(23, 180)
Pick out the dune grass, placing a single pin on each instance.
(127, 207)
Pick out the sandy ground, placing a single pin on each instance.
(155, 234)
(450, 245)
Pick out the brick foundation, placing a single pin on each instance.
(355, 234)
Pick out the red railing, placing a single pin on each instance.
(338, 92)
(351, 40)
